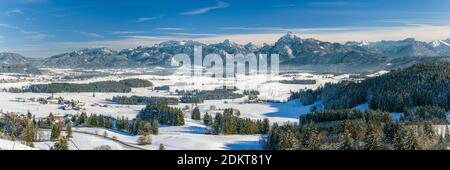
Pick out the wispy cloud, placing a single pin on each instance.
(337, 4)
(127, 32)
(192, 34)
(145, 19)
(171, 29)
(203, 10)
(284, 5)
(29, 35)
(90, 34)
(13, 11)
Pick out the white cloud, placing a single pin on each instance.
(90, 34)
(14, 11)
(336, 4)
(171, 29)
(203, 10)
(144, 19)
(27, 35)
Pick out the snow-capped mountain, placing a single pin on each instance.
(88, 57)
(404, 48)
(13, 58)
(16, 63)
(293, 50)
(441, 46)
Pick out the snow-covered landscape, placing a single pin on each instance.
(192, 135)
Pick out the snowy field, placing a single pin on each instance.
(190, 136)
(12, 145)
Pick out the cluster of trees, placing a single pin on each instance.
(143, 100)
(165, 87)
(306, 97)
(163, 113)
(123, 86)
(134, 126)
(425, 113)
(298, 81)
(252, 94)
(343, 114)
(14, 127)
(420, 85)
(197, 96)
(342, 130)
(230, 123)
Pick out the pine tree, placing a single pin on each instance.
(411, 141)
(265, 126)
(161, 147)
(196, 114)
(399, 143)
(311, 139)
(289, 141)
(441, 145)
(371, 140)
(217, 125)
(347, 140)
(29, 134)
(61, 145)
(207, 119)
(69, 130)
(56, 133)
(155, 130)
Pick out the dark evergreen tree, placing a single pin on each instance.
(196, 114)
(55, 133)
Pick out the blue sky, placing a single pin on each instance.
(39, 28)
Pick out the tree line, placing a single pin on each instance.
(122, 86)
(144, 100)
(424, 84)
(355, 130)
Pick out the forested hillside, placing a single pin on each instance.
(420, 85)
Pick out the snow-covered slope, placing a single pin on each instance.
(13, 145)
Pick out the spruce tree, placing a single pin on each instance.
(311, 139)
(411, 140)
(69, 130)
(347, 140)
(265, 126)
(155, 127)
(399, 143)
(371, 139)
(55, 133)
(289, 141)
(207, 119)
(61, 145)
(217, 125)
(196, 114)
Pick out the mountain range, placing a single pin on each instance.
(295, 52)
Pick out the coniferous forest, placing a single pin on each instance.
(420, 93)
(122, 86)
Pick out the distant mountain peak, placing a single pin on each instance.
(289, 34)
(438, 43)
